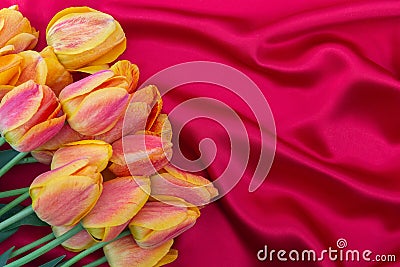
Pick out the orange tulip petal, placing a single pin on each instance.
(128, 70)
(171, 256)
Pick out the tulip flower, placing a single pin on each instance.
(194, 189)
(84, 37)
(158, 222)
(16, 33)
(97, 152)
(162, 127)
(91, 108)
(152, 97)
(78, 242)
(127, 72)
(4, 89)
(125, 253)
(10, 69)
(33, 67)
(121, 199)
(44, 153)
(57, 76)
(63, 196)
(139, 155)
(30, 115)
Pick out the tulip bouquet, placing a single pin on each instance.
(108, 144)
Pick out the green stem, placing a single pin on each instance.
(92, 249)
(2, 140)
(49, 246)
(32, 245)
(12, 162)
(96, 262)
(14, 192)
(14, 203)
(13, 219)
(27, 160)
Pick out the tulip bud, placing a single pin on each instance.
(158, 222)
(139, 155)
(97, 152)
(63, 196)
(84, 37)
(16, 33)
(78, 242)
(91, 108)
(194, 189)
(121, 199)
(30, 116)
(125, 253)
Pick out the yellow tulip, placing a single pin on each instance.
(83, 37)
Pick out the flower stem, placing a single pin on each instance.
(14, 192)
(92, 249)
(32, 245)
(12, 162)
(13, 219)
(27, 160)
(49, 246)
(96, 262)
(2, 140)
(14, 203)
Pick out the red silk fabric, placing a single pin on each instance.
(330, 71)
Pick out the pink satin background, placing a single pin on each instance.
(330, 71)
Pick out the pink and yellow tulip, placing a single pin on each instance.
(83, 37)
(63, 196)
(16, 33)
(74, 183)
(139, 155)
(194, 189)
(30, 115)
(78, 242)
(125, 252)
(158, 222)
(91, 108)
(121, 199)
(97, 152)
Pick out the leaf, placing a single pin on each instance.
(5, 256)
(6, 234)
(53, 263)
(31, 219)
(6, 156)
